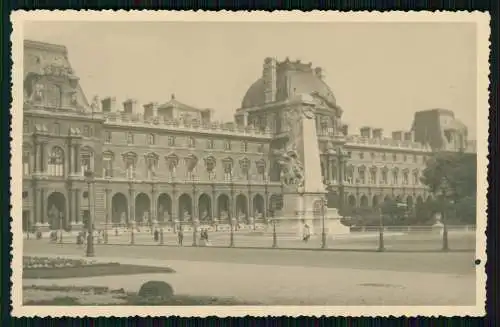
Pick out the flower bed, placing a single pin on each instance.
(53, 268)
(43, 262)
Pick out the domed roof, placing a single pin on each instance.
(299, 82)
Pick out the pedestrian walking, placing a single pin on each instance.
(306, 234)
(180, 236)
(156, 235)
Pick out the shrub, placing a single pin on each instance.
(156, 290)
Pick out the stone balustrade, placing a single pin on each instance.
(138, 120)
(385, 142)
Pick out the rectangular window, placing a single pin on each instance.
(373, 177)
(384, 177)
(171, 141)
(210, 144)
(227, 145)
(130, 169)
(107, 167)
(86, 131)
(85, 163)
(261, 148)
(405, 179)
(395, 178)
(108, 137)
(244, 146)
(57, 129)
(192, 142)
(130, 138)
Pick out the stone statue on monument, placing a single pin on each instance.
(96, 104)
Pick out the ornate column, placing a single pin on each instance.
(329, 165)
(77, 195)
(38, 205)
(109, 209)
(154, 200)
(71, 159)
(44, 158)
(77, 159)
(131, 207)
(214, 204)
(43, 210)
(175, 205)
(195, 213)
(250, 203)
(71, 205)
(38, 157)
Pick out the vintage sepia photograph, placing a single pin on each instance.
(252, 163)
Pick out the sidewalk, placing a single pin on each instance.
(271, 284)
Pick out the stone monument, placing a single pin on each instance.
(300, 162)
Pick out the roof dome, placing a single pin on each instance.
(290, 81)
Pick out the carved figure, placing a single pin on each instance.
(38, 94)
(204, 215)
(187, 216)
(74, 99)
(292, 171)
(96, 104)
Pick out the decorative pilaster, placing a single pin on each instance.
(175, 205)
(195, 213)
(38, 205)
(131, 208)
(38, 157)
(109, 209)
(45, 157)
(154, 205)
(78, 213)
(77, 159)
(71, 159)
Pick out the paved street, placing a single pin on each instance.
(394, 241)
(289, 276)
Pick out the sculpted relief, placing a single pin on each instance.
(292, 169)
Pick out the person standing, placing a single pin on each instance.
(180, 236)
(307, 233)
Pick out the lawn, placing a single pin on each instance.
(102, 296)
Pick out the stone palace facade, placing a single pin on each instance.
(170, 161)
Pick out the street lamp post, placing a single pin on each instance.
(444, 186)
(89, 176)
(231, 236)
(60, 228)
(273, 220)
(381, 247)
(323, 231)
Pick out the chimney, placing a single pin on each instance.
(206, 115)
(408, 136)
(269, 77)
(345, 130)
(397, 136)
(318, 71)
(150, 110)
(108, 104)
(377, 133)
(366, 132)
(130, 106)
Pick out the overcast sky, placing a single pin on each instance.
(380, 73)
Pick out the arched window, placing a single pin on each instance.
(228, 169)
(52, 96)
(130, 160)
(416, 179)
(210, 167)
(107, 164)
(362, 175)
(373, 175)
(245, 168)
(130, 138)
(384, 176)
(395, 175)
(191, 161)
(349, 174)
(261, 169)
(172, 161)
(406, 177)
(56, 162)
(151, 164)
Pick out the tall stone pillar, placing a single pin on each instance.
(38, 205)
(329, 163)
(195, 215)
(71, 159)
(250, 204)
(109, 205)
(38, 157)
(131, 207)
(45, 157)
(154, 205)
(71, 205)
(213, 204)
(78, 194)
(175, 206)
(77, 159)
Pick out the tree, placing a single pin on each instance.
(455, 175)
